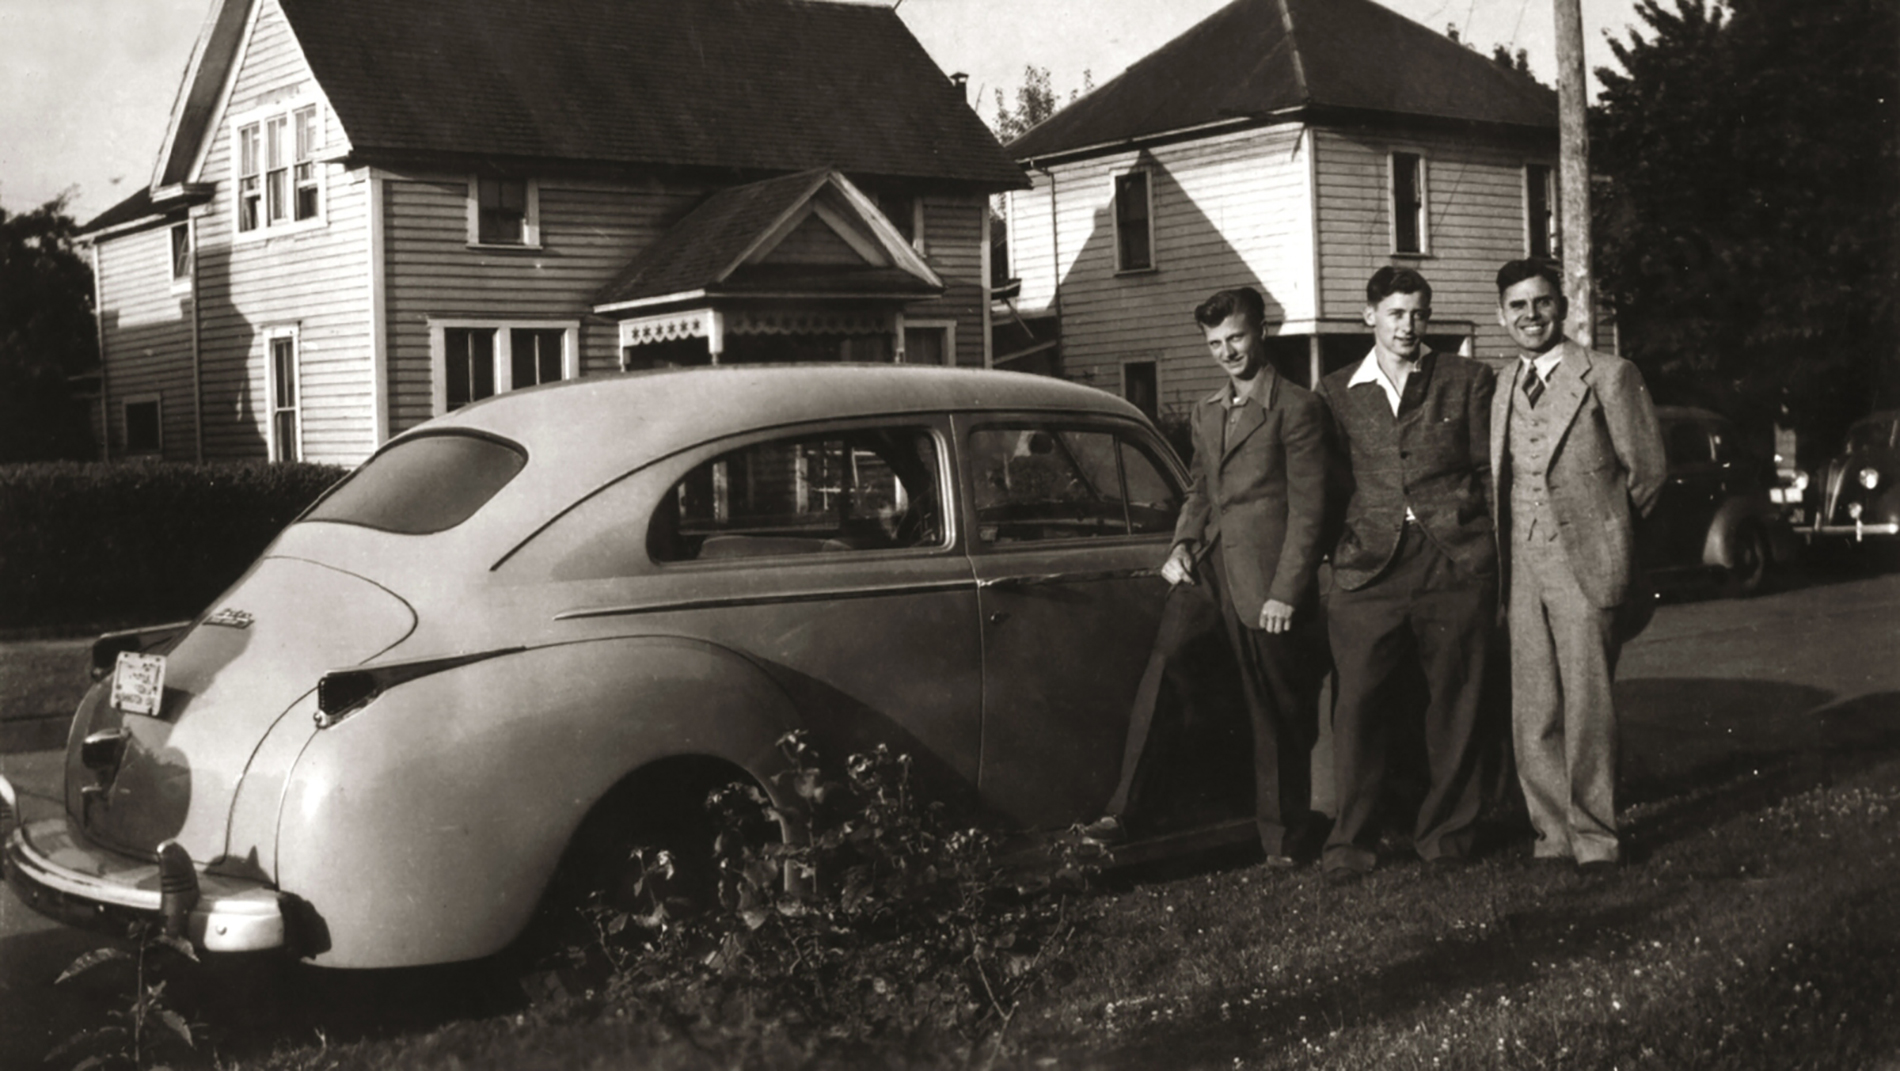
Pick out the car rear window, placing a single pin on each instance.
(427, 484)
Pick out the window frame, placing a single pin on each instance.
(949, 461)
(157, 401)
(1550, 236)
(276, 450)
(1154, 364)
(530, 220)
(300, 165)
(1421, 212)
(183, 255)
(949, 329)
(1116, 181)
(503, 355)
(1125, 432)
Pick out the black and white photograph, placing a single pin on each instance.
(950, 534)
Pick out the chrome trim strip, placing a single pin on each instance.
(1088, 577)
(828, 595)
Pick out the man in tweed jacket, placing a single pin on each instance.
(1414, 572)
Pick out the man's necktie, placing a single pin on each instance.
(1533, 387)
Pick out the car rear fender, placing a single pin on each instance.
(424, 827)
(1722, 546)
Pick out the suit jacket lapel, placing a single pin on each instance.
(1251, 416)
(1501, 418)
(1566, 392)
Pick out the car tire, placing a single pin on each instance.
(1748, 569)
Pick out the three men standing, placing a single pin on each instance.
(1578, 455)
(1414, 571)
(1254, 512)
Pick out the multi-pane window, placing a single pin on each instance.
(480, 360)
(278, 181)
(1538, 218)
(1036, 483)
(1408, 202)
(1134, 234)
(928, 343)
(286, 444)
(502, 212)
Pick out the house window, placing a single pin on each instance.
(930, 342)
(1538, 218)
(1141, 386)
(144, 428)
(1134, 222)
(181, 252)
(473, 361)
(278, 183)
(286, 417)
(1408, 202)
(503, 211)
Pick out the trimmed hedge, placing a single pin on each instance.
(91, 545)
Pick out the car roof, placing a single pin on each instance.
(600, 426)
(1689, 412)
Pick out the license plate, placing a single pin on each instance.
(138, 683)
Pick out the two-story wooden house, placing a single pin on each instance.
(366, 213)
(1294, 146)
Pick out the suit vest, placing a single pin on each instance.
(1533, 436)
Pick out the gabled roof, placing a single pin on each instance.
(726, 246)
(1258, 58)
(753, 85)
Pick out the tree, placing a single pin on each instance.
(1036, 100)
(46, 334)
(1747, 164)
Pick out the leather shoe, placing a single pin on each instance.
(1344, 875)
(1284, 862)
(1597, 869)
(1107, 829)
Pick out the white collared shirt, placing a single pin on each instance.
(1545, 363)
(1370, 371)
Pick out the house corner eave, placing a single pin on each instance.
(199, 92)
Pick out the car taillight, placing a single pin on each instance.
(1870, 478)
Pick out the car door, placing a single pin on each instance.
(1069, 521)
(1689, 498)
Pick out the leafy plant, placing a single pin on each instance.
(147, 1022)
(879, 922)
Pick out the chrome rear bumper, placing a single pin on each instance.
(57, 873)
(1857, 530)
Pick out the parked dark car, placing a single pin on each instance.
(1716, 519)
(1857, 498)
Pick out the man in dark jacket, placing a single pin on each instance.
(1254, 515)
(1414, 571)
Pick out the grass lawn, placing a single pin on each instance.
(1757, 927)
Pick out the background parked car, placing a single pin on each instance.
(1716, 519)
(1856, 499)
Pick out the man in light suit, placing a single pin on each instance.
(1254, 514)
(1577, 456)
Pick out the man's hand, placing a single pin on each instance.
(1179, 568)
(1276, 616)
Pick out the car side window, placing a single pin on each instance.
(828, 493)
(1038, 482)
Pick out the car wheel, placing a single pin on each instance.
(1749, 569)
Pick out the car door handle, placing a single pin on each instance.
(1034, 579)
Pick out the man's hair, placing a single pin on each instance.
(1516, 271)
(1224, 303)
(1389, 280)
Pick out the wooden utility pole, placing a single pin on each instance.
(1573, 99)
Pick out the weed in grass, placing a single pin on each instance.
(881, 926)
(136, 1033)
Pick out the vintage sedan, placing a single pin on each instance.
(552, 620)
(1716, 518)
(1857, 498)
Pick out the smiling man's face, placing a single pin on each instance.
(1398, 324)
(1533, 312)
(1236, 346)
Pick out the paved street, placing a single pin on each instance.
(1711, 685)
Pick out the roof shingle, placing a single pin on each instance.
(759, 85)
(1350, 55)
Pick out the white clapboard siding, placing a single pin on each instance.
(953, 237)
(1475, 212)
(147, 328)
(314, 280)
(589, 231)
(1228, 211)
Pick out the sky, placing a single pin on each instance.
(86, 86)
